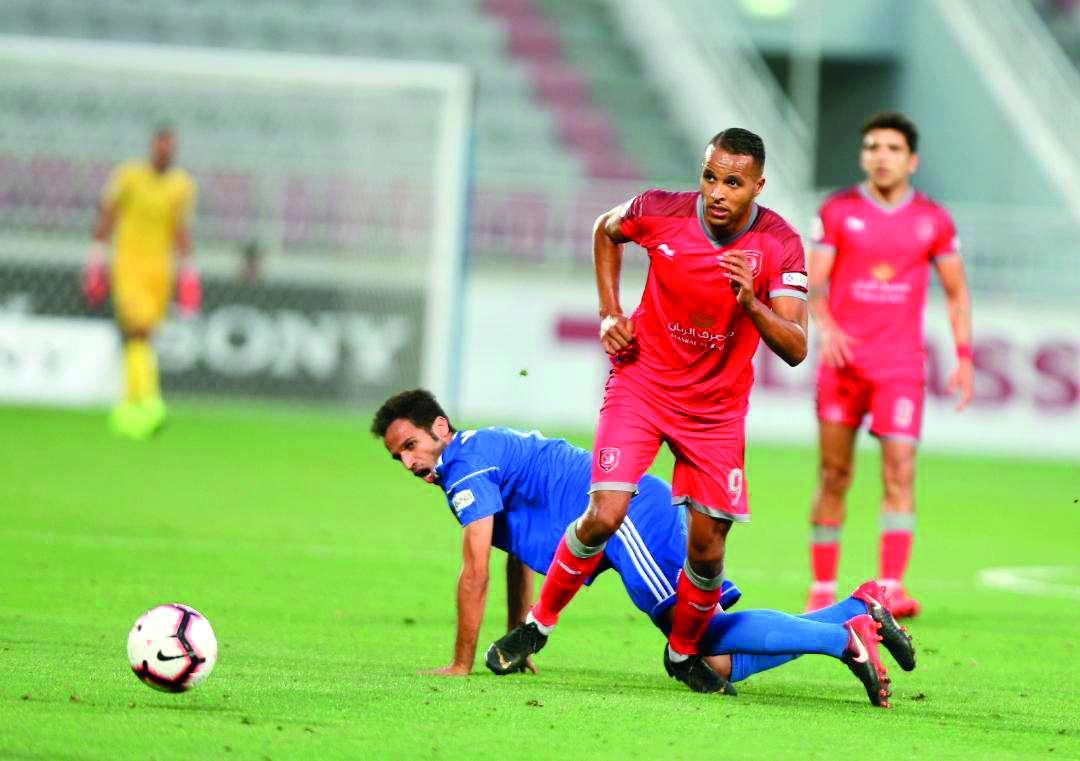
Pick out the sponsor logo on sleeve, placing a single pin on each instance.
(462, 499)
(607, 458)
(795, 279)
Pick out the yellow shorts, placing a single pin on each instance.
(141, 294)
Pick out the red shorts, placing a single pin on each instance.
(894, 399)
(636, 418)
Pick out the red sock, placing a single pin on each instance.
(824, 557)
(564, 578)
(693, 609)
(824, 554)
(894, 551)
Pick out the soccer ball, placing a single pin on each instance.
(172, 648)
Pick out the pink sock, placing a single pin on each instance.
(894, 551)
(565, 577)
(693, 609)
(824, 553)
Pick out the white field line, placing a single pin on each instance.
(1043, 581)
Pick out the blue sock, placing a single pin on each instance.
(765, 639)
(769, 632)
(744, 664)
(839, 613)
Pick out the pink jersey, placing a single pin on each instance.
(882, 267)
(693, 340)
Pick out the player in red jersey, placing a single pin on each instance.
(869, 268)
(723, 273)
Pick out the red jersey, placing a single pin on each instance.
(693, 340)
(881, 271)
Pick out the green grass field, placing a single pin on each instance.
(329, 578)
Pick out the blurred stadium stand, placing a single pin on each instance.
(571, 117)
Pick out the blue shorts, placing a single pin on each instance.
(649, 549)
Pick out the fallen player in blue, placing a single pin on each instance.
(519, 491)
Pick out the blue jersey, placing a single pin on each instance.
(535, 487)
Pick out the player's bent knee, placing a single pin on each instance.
(606, 512)
(835, 478)
(899, 476)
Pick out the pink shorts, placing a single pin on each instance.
(893, 398)
(636, 418)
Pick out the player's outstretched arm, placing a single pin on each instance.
(95, 271)
(835, 343)
(103, 222)
(519, 591)
(188, 286)
(616, 331)
(471, 595)
(958, 301)
(519, 594)
(183, 244)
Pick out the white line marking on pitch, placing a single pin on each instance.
(1041, 580)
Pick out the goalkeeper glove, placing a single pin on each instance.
(188, 290)
(94, 279)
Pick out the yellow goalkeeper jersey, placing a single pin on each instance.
(148, 208)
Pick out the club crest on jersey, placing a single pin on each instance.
(753, 258)
(854, 224)
(607, 458)
(735, 485)
(925, 229)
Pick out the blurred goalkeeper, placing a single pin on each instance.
(149, 205)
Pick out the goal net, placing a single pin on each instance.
(329, 227)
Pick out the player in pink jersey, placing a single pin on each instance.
(723, 273)
(869, 269)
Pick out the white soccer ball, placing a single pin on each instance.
(172, 648)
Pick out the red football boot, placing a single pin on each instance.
(894, 637)
(900, 603)
(863, 659)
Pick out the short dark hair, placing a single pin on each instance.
(418, 406)
(741, 142)
(897, 121)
